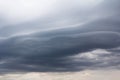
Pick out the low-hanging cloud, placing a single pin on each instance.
(51, 54)
(92, 45)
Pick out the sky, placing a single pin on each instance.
(59, 39)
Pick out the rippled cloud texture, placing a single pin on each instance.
(59, 35)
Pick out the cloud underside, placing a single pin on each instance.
(38, 53)
(93, 45)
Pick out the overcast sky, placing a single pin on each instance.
(50, 38)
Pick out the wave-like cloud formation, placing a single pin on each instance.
(51, 53)
(92, 45)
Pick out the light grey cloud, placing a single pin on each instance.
(61, 15)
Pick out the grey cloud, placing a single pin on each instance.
(54, 50)
(101, 16)
(61, 17)
(49, 55)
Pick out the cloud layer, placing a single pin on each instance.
(72, 40)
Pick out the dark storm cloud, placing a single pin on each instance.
(32, 53)
(55, 50)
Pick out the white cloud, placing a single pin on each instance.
(25, 10)
(95, 54)
(84, 75)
